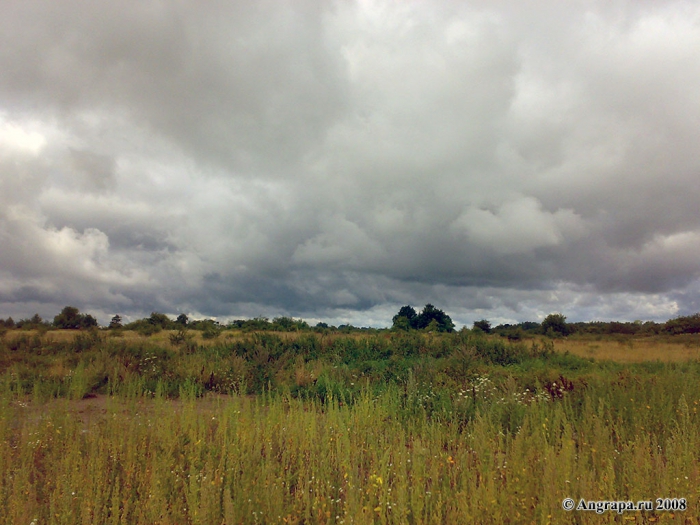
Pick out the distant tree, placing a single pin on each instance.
(430, 313)
(615, 327)
(321, 328)
(433, 326)
(9, 322)
(283, 324)
(182, 320)
(88, 321)
(116, 322)
(160, 320)
(530, 326)
(401, 323)
(257, 323)
(555, 324)
(689, 324)
(407, 318)
(483, 325)
(32, 323)
(71, 318)
(651, 328)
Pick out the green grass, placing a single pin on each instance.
(399, 429)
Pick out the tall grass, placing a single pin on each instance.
(275, 459)
(398, 429)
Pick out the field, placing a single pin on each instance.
(372, 428)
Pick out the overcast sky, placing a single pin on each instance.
(337, 160)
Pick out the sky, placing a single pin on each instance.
(335, 160)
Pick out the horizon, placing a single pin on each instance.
(312, 323)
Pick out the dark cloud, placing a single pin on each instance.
(338, 160)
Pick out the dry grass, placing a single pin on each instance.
(630, 350)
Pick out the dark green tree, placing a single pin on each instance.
(483, 325)
(401, 323)
(33, 322)
(283, 324)
(405, 319)
(433, 326)
(116, 322)
(182, 320)
(71, 318)
(430, 313)
(88, 321)
(160, 320)
(689, 324)
(555, 324)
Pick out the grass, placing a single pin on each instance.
(631, 350)
(339, 430)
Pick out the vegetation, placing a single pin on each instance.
(390, 427)
(554, 325)
(259, 421)
(430, 318)
(71, 318)
(483, 325)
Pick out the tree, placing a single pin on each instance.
(483, 325)
(430, 313)
(555, 324)
(689, 324)
(433, 326)
(71, 318)
(87, 321)
(401, 323)
(34, 321)
(405, 319)
(159, 320)
(182, 320)
(116, 322)
(283, 324)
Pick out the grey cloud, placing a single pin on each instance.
(338, 160)
(252, 85)
(95, 171)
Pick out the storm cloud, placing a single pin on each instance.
(336, 160)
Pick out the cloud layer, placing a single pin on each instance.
(335, 160)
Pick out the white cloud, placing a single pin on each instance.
(518, 226)
(14, 137)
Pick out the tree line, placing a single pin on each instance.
(429, 319)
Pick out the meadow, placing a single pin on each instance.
(115, 427)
